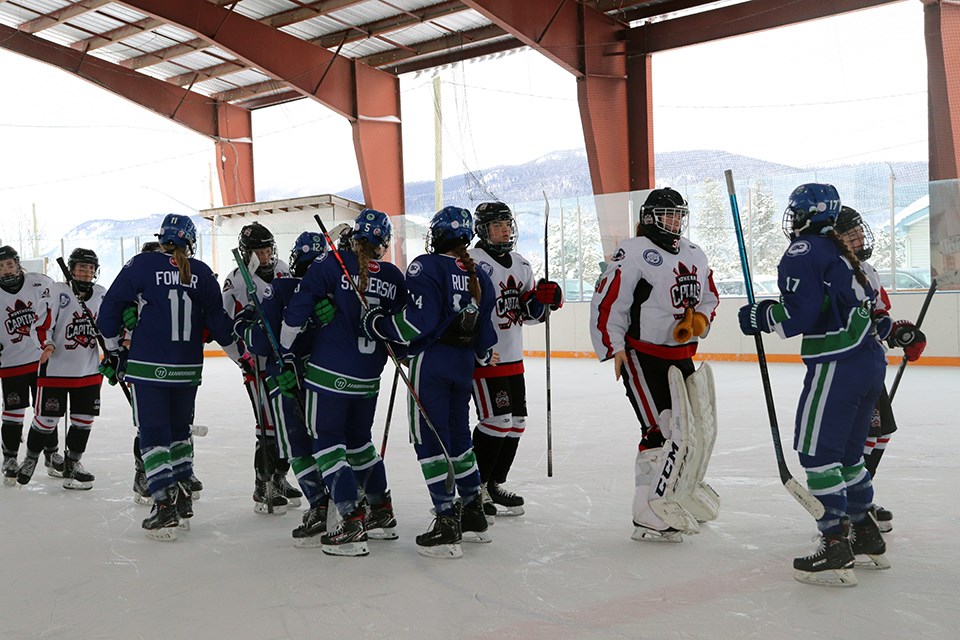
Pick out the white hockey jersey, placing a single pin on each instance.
(235, 290)
(26, 319)
(510, 283)
(75, 360)
(643, 294)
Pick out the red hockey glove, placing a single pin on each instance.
(549, 292)
(906, 334)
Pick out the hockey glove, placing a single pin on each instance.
(288, 380)
(756, 317)
(368, 323)
(485, 358)
(906, 334)
(247, 364)
(882, 323)
(130, 317)
(549, 292)
(113, 367)
(532, 308)
(244, 318)
(324, 311)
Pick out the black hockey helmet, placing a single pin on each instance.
(11, 280)
(660, 204)
(150, 247)
(83, 256)
(488, 213)
(849, 219)
(256, 236)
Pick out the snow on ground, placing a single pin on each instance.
(76, 564)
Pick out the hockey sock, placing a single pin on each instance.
(487, 450)
(338, 476)
(467, 475)
(181, 459)
(78, 434)
(11, 432)
(827, 485)
(156, 463)
(859, 490)
(368, 470)
(309, 479)
(38, 437)
(507, 454)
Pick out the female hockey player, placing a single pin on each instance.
(653, 303)
(342, 378)
(26, 299)
(179, 299)
(499, 392)
(295, 441)
(446, 324)
(68, 367)
(257, 245)
(857, 235)
(827, 298)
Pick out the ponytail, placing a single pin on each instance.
(182, 258)
(474, 284)
(365, 252)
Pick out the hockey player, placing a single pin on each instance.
(271, 470)
(68, 369)
(499, 392)
(827, 298)
(179, 300)
(654, 302)
(446, 324)
(342, 379)
(25, 299)
(296, 439)
(856, 233)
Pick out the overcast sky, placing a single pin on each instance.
(845, 89)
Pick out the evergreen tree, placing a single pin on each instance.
(711, 227)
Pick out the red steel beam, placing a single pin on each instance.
(941, 25)
(227, 125)
(737, 20)
(61, 15)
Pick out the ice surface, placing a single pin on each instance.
(77, 565)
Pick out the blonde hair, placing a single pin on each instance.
(365, 252)
(182, 258)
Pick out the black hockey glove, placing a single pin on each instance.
(113, 367)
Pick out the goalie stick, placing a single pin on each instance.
(451, 476)
(793, 487)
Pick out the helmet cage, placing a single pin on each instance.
(488, 213)
(11, 280)
(255, 236)
(861, 244)
(83, 256)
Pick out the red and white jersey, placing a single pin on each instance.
(235, 295)
(510, 283)
(643, 294)
(26, 319)
(883, 300)
(76, 357)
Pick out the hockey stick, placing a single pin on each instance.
(393, 397)
(793, 487)
(89, 316)
(451, 475)
(546, 323)
(903, 361)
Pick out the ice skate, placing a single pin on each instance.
(141, 492)
(184, 504)
(282, 487)
(195, 487)
(53, 461)
(868, 545)
(162, 523)
(507, 502)
(26, 469)
(648, 534)
(9, 470)
(308, 534)
(349, 538)
(832, 564)
(75, 476)
(260, 504)
(884, 518)
(381, 523)
(443, 538)
(473, 522)
(489, 509)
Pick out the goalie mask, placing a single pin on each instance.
(256, 238)
(663, 217)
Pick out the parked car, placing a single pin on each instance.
(735, 287)
(907, 278)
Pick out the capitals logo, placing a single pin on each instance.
(685, 292)
(80, 333)
(19, 320)
(508, 303)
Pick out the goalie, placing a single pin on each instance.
(653, 303)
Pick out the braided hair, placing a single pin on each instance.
(473, 285)
(849, 255)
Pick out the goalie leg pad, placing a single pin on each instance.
(654, 503)
(698, 391)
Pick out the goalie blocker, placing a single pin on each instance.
(671, 497)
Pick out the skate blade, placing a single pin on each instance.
(261, 507)
(885, 527)
(310, 542)
(509, 511)
(441, 551)
(146, 500)
(53, 473)
(643, 534)
(77, 485)
(384, 533)
(348, 549)
(491, 520)
(477, 536)
(293, 502)
(9, 482)
(166, 534)
(829, 578)
(184, 524)
(867, 561)
(195, 496)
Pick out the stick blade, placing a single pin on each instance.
(802, 495)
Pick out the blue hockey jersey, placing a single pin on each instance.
(167, 345)
(821, 299)
(437, 290)
(274, 302)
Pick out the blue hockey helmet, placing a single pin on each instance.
(449, 227)
(179, 230)
(308, 246)
(812, 208)
(373, 227)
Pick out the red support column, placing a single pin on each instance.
(234, 147)
(377, 138)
